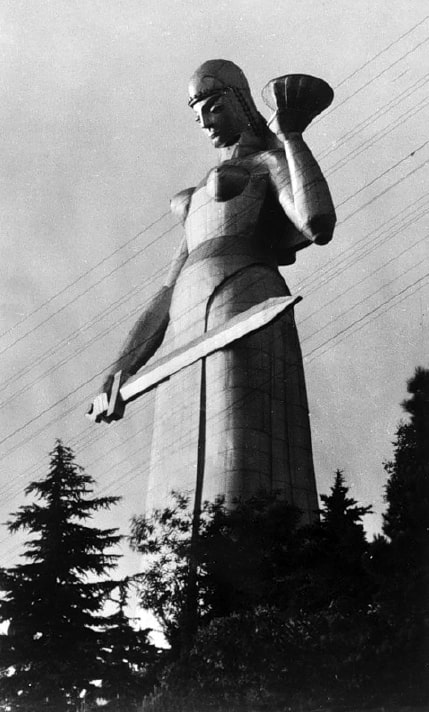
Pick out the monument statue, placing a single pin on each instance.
(232, 419)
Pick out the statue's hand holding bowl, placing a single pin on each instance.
(296, 100)
(286, 122)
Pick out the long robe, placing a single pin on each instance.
(237, 421)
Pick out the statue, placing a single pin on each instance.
(236, 421)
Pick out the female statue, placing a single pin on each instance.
(236, 422)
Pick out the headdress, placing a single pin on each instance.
(220, 76)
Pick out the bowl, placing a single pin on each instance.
(301, 97)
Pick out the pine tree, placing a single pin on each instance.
(407, 489)
(54, 600)
(341, 518)
(333, 554)
(403, 560)
(129, 660)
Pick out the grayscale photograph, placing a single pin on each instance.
(214, 349)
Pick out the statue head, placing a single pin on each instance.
(220, 96)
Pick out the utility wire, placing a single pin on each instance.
(361, 321)
(373, 79)
(385, 49)
(392, 167)
(167, 213)
(85, 274)
(422, 279)
(61, 400)
(90, 324)
(85, 291)
(335, 267)
(381, 175)
(99, 335)
(375, 116)
(117, 267)
(378, 136)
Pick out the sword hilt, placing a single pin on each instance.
(108, 409)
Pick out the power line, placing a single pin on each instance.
(64, 289)
(374, 78)
(361, 321)
(381, 175)
(365, 316)
(361, 281)
(59, 364)
(115, 269)
(353, 307)
(67, 359)
(420, 281)
(85, 274)
(385, 49)
(381, 134)
(372, 118)
(383, 192)
(61, 400)
(85, 291)
(364, 299)
(362, 249)
(396, 183)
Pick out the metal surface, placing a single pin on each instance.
(231, 412)
(213, 340)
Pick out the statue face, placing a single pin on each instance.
(218, 118)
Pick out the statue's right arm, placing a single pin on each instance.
(147, 334)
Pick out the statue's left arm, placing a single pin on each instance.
(302, 189)
(142, 342)
(148, 333)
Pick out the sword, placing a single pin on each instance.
(213, 340)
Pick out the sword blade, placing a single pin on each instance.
(238, 326)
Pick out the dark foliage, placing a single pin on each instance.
(407, 492)
(265, 659)
(401, 562)
(242, 558)
(164, 541)
(128, 659)
(54, 600)
(296, 617)
(247, 555)
(283, 609)
(331, 570)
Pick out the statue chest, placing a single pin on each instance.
(227, 202)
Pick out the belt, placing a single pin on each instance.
(223, 245)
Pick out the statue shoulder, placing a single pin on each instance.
(179, 204)
(275, 163)
(271, 159)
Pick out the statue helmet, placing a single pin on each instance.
(216, 76)
(220, 76)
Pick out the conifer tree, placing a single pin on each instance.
(404, 559)
(407, 489)
(342, 516)
(54, 600)
(332, 553)
(129, 660)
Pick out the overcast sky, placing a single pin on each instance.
(96, 137)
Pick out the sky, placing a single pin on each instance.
(96, 137)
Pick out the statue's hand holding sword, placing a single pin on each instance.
(107, 407)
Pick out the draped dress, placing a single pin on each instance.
(235, 423)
